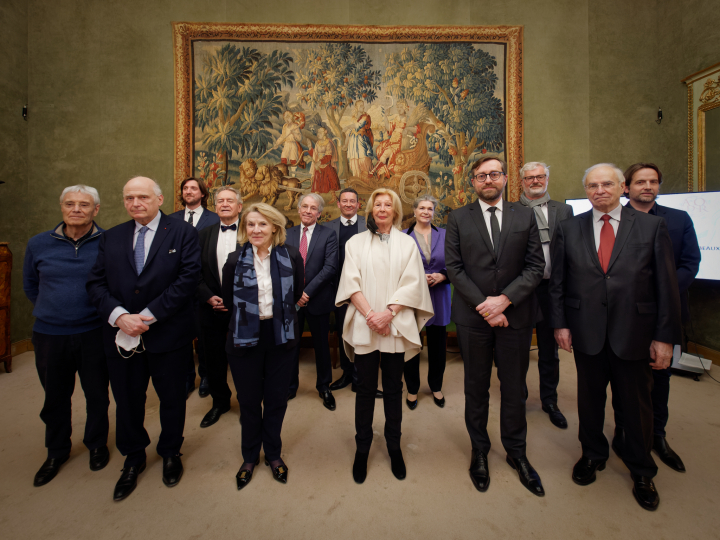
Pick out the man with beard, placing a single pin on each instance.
(642, 185)
(494, 257)
(535, 177)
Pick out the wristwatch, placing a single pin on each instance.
(391, 311)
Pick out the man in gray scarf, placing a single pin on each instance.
(548, 213)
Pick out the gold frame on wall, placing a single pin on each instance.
(185, 33)
(703, 95)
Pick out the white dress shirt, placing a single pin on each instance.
(149, 236)
(309, 233)
(196, 216)
(226, 244)
(347, 222)
(264, 281)
(598, 222)
(487, 215)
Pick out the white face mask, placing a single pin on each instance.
(126, 342)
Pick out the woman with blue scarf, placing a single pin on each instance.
(261, 283)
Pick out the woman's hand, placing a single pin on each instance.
(434, 279)
(379, 321)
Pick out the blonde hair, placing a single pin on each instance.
(272, 215)
(396, 205)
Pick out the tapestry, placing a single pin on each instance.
(277, 111)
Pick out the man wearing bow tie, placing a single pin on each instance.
(216, 243)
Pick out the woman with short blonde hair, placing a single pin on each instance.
(272, 215)
(396, 206)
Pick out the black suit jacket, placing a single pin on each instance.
(166, 285)
(228, 282)
(477, 273)
(685, 250)
(320, 267)
(209, 285)
(207, 218)
(636, 302)
(557, 212)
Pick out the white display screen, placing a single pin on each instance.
(704, 209)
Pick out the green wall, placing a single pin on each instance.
(100, 89)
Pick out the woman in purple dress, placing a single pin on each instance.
(431, 243)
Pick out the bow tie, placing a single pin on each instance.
(232, 227)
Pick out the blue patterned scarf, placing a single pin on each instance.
(246, 309)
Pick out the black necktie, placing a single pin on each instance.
(232, 227)
(190, 219)
(494, 228)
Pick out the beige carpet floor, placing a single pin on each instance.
(436, 501)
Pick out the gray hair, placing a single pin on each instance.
(317, 198)
(530, 165)
(426, 197)
(234, 190)
(616, 170)
(81, 188)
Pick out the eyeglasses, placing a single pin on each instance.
(494, 175)
(540, 177)
(605, 185)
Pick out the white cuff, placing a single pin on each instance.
(115, 314)
(147, 313)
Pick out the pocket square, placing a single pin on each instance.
(171, 251)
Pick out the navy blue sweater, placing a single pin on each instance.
(54, 276)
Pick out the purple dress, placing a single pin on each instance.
(439, 294)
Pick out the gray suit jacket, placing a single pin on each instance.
(335, 225)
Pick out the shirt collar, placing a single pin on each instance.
(311, 228)
(351, 221)
(255, 250)
(485, 205)
(198, 211)
(615, 213)
(153, 225)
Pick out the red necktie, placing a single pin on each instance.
(303, 245)
(607, 241)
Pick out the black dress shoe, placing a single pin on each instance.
(48, 471)
(204, 390)
(280, 473)
(292, 394)
(528, 476)
(128, 481)
(328, 400)
(172, 471)
(189, 387)
(412, 405)
(342, 382)
(584, 470)
(360, 466)
(556, 417)
(397, 464)
(667, 455)
(479, 470)
(244, 476)
(645, 493)
(213, 415)
(439, 402)
(99, 457)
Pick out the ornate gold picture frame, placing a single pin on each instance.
(280, 110)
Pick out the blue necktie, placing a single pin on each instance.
(140, 250)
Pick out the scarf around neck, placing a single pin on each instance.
(246, 307)
(543, 227)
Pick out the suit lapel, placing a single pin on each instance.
(160, 234)
(588, 234)
(627, 220)
(317, 233)
(203, 217)
(335, 225)
(129, 245)
(476, 214)
(552, 216)
(212, 250)
(508, 215)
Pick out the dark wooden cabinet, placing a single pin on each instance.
(5, 341)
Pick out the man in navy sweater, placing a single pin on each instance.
(67, 334)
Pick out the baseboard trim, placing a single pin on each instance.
(19, 347)
(705, 352)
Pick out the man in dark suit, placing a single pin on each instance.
(535, 178)
(318, 247)
(345, 227)
(642, 185)
(495, 260)
(216, 243)
(193, 197)
(614, 298)
(142, 284)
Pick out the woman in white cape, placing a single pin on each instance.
(384, 281)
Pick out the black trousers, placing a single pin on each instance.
(57, 359)
(548, 359)
(214, 333)
(660, 396)
(320, 328)
(437, 354)
(262, 380)
(129, 379)
(510, 349)
(631, 384)
(200, 350)
(367, 372)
